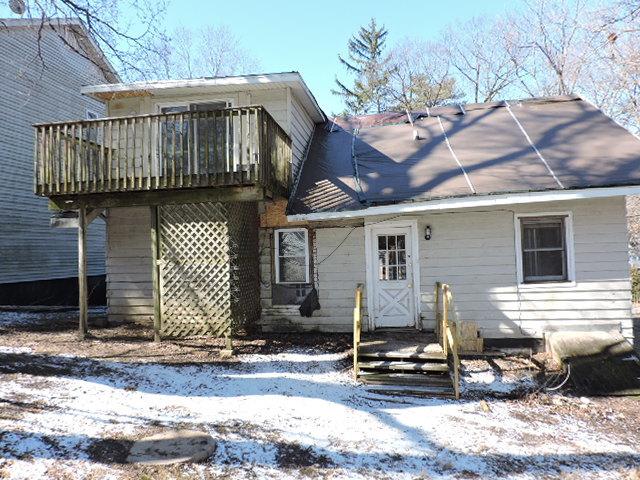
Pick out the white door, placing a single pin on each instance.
(394, 298)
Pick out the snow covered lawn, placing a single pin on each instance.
(292, 414)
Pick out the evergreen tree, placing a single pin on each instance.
(366, 61)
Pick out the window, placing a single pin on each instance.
(292, 255)
(392, 257)
(91, 115)
(544, 248)
(175, 129)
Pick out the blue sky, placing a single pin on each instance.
(287, 35)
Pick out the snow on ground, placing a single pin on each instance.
(296, 414)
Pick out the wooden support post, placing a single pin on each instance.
(227, 351)
(436, 309)
(155, 273)
(357, 328)
(82, 272)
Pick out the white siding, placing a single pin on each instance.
(30, 93)
(301, 131)
(338, 274)
(129, 284)
(474, 251)
(275, 102)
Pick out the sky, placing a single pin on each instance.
(286, 35)
(304, 36)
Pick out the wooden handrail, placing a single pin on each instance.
(233, 146)
(357, 327)
(448, 331)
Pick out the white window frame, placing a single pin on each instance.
(569, 242)
(276, 254)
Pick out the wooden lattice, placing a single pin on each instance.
(205, 268)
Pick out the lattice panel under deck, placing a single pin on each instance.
(195, 270)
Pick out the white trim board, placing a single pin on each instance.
(471, 202)
(242, 82)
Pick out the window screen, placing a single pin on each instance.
(544, 249)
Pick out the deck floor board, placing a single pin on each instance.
(405, 344)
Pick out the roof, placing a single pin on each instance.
(88, 44)
(539, 145)
(260, 81)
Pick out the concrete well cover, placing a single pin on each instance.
(174, 446)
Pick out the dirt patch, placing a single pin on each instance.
(54, 333)
(110, 450)
(293, 455)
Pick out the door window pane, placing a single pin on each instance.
(392, 257)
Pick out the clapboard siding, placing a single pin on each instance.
(301, 131)
(129, 285)
(29, 93)
(474, 251)
(338, 274)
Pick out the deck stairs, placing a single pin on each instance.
(409, 361)
(404, 362)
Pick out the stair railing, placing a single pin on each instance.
(447, 331)
(357, 328)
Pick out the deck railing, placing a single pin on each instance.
(234, 146)
(447, 331)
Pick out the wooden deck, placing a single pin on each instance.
(401, 344)
(241, 146)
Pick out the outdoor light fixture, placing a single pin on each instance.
(427, 232)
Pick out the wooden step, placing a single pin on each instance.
(405, 379)
(402, 366)
(400, 355)
(442, 392)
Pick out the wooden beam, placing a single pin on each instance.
(82, 272)
(93, 214)
(72, 222)
(155, 273)
(160, 197)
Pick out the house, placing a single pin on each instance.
(229, 199)
(42, 68)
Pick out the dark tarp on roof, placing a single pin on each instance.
(577, 147)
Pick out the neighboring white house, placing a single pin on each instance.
(40, 80)
(519, 207)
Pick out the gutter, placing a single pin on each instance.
(471, 202)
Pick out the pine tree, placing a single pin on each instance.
(367, 62)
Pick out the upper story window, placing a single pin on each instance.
(91, 114)
(544, 248)
(292, 255)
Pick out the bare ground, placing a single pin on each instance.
(522, 431)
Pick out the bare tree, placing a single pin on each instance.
(125, 30)
(211, 51)
(222, 54)
(481, 62)
(551, 46)
(420, 76)
(613, 82)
